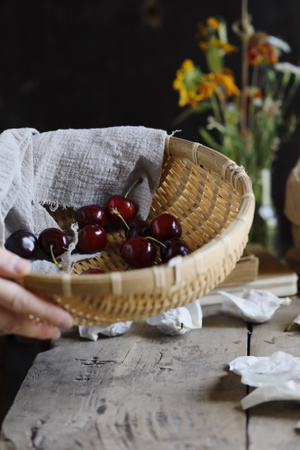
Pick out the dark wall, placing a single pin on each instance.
(82, 64)
(111, 62)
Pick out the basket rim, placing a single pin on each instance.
(164, 276)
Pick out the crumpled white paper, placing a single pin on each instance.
(256, 306)
(115, 329)
(297, 319)
(276, 377)
(173, 322)
(180, 320)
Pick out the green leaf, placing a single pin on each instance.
(192, 79)
(201, 108)
(209, 139)
(222, 31)
(213, 58)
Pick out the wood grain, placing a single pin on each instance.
(272, 425)
(140, 390)
(146, 390)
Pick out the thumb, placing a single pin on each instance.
(12, 265)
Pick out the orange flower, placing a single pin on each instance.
(225, 46)
(208, 28)
(213, 23)
(260, 51)
(222, 84)
(208, 33)
(193, 86)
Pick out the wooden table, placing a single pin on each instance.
(145, 390)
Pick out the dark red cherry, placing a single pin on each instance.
(173, 247)
(92, 271)
(165, 227)
(90, 215)
(118, 206)
(91, 239)
(137, 227)
(119, 209)
(55, 238)
(23, 243)
(138, 252)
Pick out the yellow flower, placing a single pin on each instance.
(203, 45)
(186, 82)
(225, 46)
(188, 65)
(208, 28)
(213, 23)
(193, 86)
(222, 84)
(179, 82)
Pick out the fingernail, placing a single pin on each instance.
(66, 321)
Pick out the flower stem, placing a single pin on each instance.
(244, 81)
(251, 108)
(290, 95)
(216, 108)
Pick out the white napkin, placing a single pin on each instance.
(178, 320)
(276, 377)
(173, 322)
(72, 168)
(92, 333)
(256, 306)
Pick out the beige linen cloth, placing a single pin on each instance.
(72, 168)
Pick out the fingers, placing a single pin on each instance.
(12, 265)
(12, 323)
(18, 300)
(16, 304)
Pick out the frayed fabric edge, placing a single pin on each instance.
(52, 205)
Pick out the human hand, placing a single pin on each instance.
(17, 304)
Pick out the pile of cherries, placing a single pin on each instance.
(142, 238)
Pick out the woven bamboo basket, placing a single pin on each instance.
(212, 198)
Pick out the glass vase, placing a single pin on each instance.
(264, 227)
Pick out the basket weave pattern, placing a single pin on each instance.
(211, 197)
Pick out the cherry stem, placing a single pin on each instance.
(155, 240)
(60, 267)
(289, 327)
(116, 212)
(137, 181)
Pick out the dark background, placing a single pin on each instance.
(71, 64)
(83, 64)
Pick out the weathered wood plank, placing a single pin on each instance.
(272, 424)
(140, 390)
